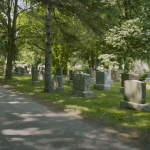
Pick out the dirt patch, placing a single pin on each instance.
(133, 137)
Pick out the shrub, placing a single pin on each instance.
(142, 77)
(129, 65)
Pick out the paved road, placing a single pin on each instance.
(27, 125)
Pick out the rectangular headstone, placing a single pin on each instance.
(135, 91)
(101, 81)
(81, 85)
(148, 77)
(57, 81)
(59, 71)
(4, 71)
(101, 77)
(71, 74)
(115, 75)
(18, 70)
(81, 82)
(135, 96)
(90, 72)
(35, 74)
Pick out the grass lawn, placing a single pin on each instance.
(103, 106)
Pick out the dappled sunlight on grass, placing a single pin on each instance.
(105, 105)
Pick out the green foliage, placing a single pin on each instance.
(106, 66)
(140, 68)
(108, 59)
(130, 38)
(104, 105)
(128, 65)
(2, 62)
(53, 70)
(142, 77)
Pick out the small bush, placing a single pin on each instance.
(129, 65)
(142, 78)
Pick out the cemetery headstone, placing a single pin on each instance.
(108, 76)
(23, 71)
(41, 73)
(135, 96)
(34, 75)
(94, 74)
(18, 70)
(148, 77)
(4, 71)
(126, 76)
(115, 76)
(30, 69)
(58, 83)
(101, 81)
(59, 72)
(71, 75)
(81, 85)
(25, 68)
(90, 72)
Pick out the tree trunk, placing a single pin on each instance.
(11, 39)
(9, 58)
(48, 51)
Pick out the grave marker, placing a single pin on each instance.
(115, 75)
(126, 76)
(57, 81)
(71, 75)
(135, 96)
(18, 72)
(59, 72)
(81, 85)
(34, 75)
(4, 71)
(148, 77)
(101, 81)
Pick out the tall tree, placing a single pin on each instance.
(80, 9)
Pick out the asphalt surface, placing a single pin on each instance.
(27, 125)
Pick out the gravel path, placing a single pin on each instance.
(27, 125)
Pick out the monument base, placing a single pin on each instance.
(92, 80)
(135, 106)
(59, 88)
(82, 93)
(70, 82)
(116, 80)
(147, 79)
(18, 73)
(102, 86)
(121, 90)
(110, 82)
(35, 82)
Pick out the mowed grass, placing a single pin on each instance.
(105, 105)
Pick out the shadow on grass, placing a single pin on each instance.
(105, 105)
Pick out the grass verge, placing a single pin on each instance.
(104, 105)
